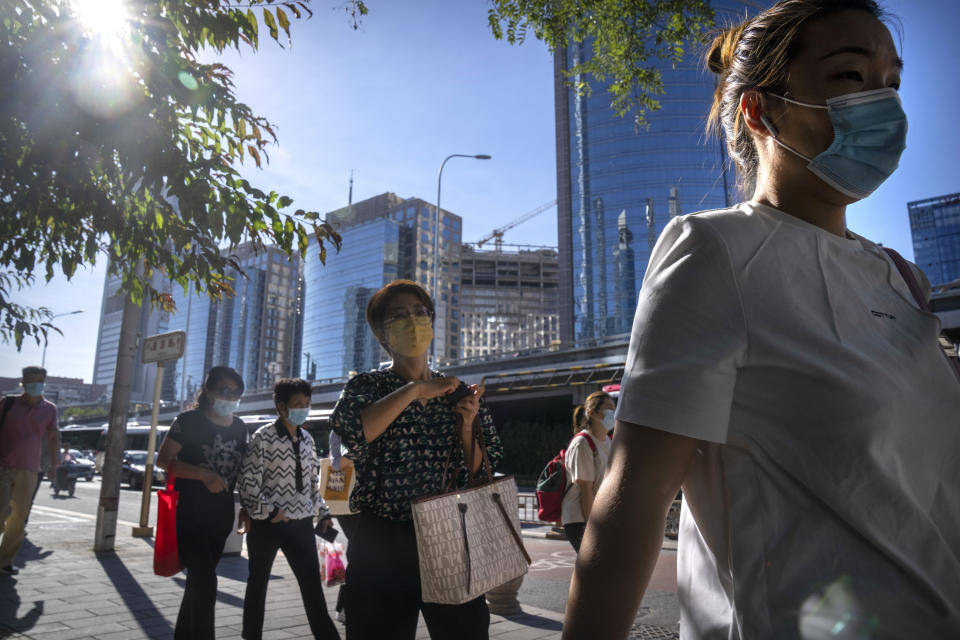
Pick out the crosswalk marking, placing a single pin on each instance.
(72, 516)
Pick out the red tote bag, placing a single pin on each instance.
(166, 558)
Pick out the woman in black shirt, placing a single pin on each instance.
(203, 450)
(399, 429)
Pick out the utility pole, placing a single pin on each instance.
(106, 530)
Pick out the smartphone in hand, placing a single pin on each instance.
(458, 394)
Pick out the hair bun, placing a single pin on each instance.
(724, 47)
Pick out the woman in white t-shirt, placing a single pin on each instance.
(586, 462)
(782, 372)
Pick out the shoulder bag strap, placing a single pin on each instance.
(908, 276)
(7, 403)
(593, 447)
(589, 439)
(911, 279)
(478, 437)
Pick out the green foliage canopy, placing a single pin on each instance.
(116, 141)
(626, 37)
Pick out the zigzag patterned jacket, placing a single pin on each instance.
(268, 475)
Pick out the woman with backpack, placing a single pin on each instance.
(783, 371)
(586, 461)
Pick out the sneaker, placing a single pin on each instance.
(10, 570)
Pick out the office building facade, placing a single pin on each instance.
(935, 227)
(509, 301)
(336, 339)
(618, 186)
(151, 322)
(256, 331)
(384, 238)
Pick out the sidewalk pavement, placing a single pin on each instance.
(66, 591)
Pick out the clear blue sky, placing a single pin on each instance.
(420, 80)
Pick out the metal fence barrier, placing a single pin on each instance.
(527, 506)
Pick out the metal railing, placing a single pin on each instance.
(527, 507)
(527, 504)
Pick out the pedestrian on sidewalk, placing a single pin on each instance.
(586, 462)
(399, 430)
(203, 449)
(783, 370)
(279, 489)
(27, 420)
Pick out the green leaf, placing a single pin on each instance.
(271, 24)
(157, 181)
(284, 21)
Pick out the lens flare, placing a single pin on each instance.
(102, 17)
(836, 613)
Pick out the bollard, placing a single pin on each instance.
(503, 600)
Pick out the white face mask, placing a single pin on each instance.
(609, 420)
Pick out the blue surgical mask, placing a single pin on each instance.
(298, 416)
(609, 420)
(34, 389)
(225, 407)
(869, 135)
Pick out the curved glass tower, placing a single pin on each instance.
(618, 186)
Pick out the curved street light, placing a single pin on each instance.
(436, 235)
(43, 360)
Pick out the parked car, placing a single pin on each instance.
(85, 464)
(133, 467)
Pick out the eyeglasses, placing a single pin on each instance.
(417, 312)
(228, 393)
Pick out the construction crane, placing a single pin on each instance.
(497, 234)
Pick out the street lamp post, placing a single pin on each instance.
(43, 360)
(436, 236)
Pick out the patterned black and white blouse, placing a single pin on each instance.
(406, 461)
(280, 472)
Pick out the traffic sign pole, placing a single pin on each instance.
(144, 531)
(159, 348)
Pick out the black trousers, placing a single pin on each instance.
(575, 531)
(383, 589)
(203, 524)
(296, 539)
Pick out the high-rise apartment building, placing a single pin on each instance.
(618, 186)
(256, 331)
(151, 322)
(508, 301)
(384, 237)
(935, 227)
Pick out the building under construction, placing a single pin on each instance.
(508, 301)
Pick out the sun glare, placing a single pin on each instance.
(103, 75)
(102, 17)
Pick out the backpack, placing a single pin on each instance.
(552, 483)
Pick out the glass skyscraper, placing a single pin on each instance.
(935, 227)
(618, 186)
(336, 339)
(256, 331)
(152, 321)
